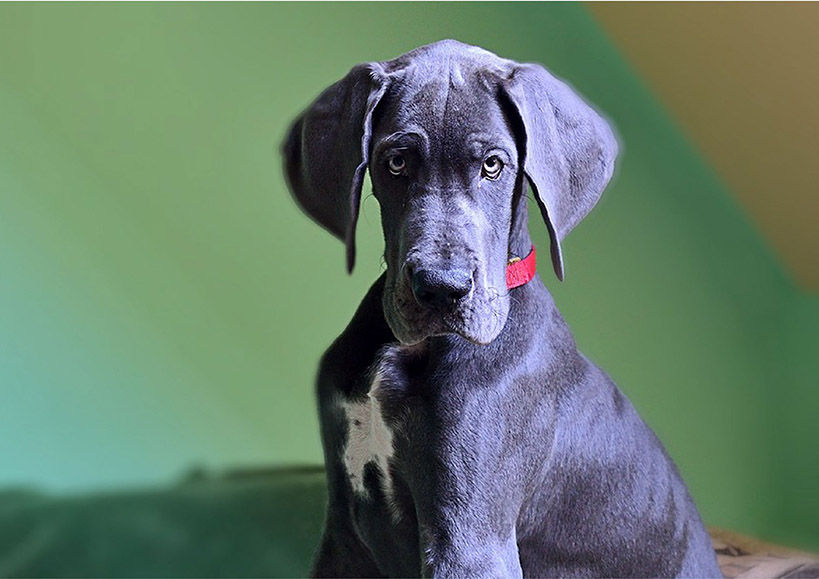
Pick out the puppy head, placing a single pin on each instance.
(449, 133)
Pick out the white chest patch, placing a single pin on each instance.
(369, 440)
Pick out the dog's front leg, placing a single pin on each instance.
(341, 554)
(456, 548)
(466, 516)
(470, 472)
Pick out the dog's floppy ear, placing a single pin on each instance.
(568, 149)
(327, 149)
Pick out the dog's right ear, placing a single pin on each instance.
(327, 150)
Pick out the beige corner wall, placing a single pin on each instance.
(743, 81)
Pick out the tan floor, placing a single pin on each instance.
(742, 557)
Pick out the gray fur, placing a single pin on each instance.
(509, 453)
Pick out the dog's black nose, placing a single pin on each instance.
(438, 288)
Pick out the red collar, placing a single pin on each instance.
(520, 271)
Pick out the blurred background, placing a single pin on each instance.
(163, 303)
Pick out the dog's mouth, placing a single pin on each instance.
(478, 317)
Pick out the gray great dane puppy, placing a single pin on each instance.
(464, 433)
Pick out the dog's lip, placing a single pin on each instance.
(469, 338)
(461, 329)
(414, 340)
(450, 331)
(447, 324)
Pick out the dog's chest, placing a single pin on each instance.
(370, 442)
(375, 425)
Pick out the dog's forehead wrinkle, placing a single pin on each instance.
(458, 124)
(412, 136)
(433, 90)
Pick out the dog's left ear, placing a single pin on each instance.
(327, 149)
(568, 149)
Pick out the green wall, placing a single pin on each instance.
(163, 303)
(794, 398)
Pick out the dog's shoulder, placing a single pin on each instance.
(352, 354)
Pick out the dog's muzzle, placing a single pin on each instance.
(434, 300)
(441, 289)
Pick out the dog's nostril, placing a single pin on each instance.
(440, 288)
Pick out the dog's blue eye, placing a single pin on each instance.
(396, 164)
(491, 167)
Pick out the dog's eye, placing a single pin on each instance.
(396, 164)
(491, 167)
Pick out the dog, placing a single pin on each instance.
(464, 434)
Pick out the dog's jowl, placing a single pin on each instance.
(464, 433)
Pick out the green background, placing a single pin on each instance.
(163, 303)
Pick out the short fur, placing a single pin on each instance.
(473, 439)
